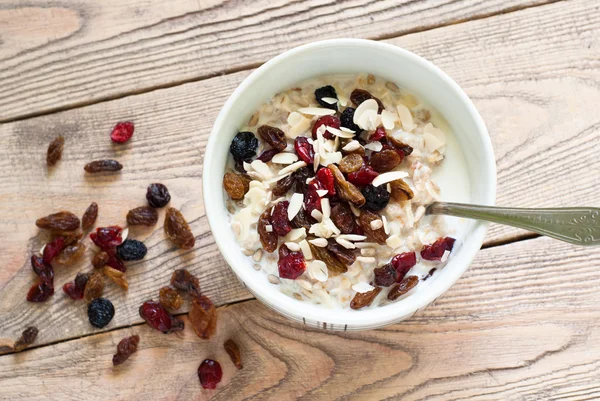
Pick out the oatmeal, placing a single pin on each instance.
(327, 186)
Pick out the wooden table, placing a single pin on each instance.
(522, 324)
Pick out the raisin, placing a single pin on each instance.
(118, 277)
(43, 270)
(403, 262)
(203, 317)
(72, 237)
(363, 299)
(304, 150)
(325, 178)
(70, 254)
(333, 263)
(378, 135)
(210, 374)
(90, 216)
(52, 249)
(122, 132)
(131, 250)
(100, 259)
(359, 95)
(158, 318)
(377, 198)
(267, 239)
(351, 163)
(329, 121)
(364, 176)
(347, 120)
(106, 238)
(346, 190)
(273, 136)
(267, 155)
(407, 284)
(81, 280)
(326, 91)
(61, 221)
(399, 146)
(385, 275)
(300, 177)
(385, 160)
(303, 220)
(291, 264)
(365, 219)
(234, 186)
(312, 200)
(94, 287)
(27, 338)
(116, 263)
(185, 281)
(233, 351)
(55, 150)
(283, 185)
(279, 219)
(346, 256)
(342, 217)
(142, 216)
(99, 166)
(40, 292)
(243, 146)
(170, 298)
(436, 250)
(75, 289)
(126, 347)
(100, 312)
(157, 195)
(178, 230)
(401, 191)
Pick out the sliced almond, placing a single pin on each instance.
(322, 192)
(292, 246)
(296, 202)
(352, 146)
(317, 270)
(375, 146)
(340, 133)
(261, 168)
(285, 158)
(366, 259)
(316, 111)
(405, 117)
(367, 105)
(305, 249)
(345, 243)
(330, 100)
(320, 242)
(388, 177)
(376, 224)
(291, 168)
(362, 287)
(388, 119)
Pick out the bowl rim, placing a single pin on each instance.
(374, 317)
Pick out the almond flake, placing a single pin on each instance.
(340, 133)
(276, 178)
(42, 249)
(316, 162)
(269, 228)
(352, 146)
(284, 158)
(305, 249)
(124, 234)
(419, 213)
(376, 224)
(261, 168)
(331, 227)
(369, 120)
(295, 234)
(247, 166)
(317, 270)
(388, 177)
(304, 284)
(330, 100)
(366, 259)
(316, 214)
(291, 168)
(368, 252)
(362, 287)
(320, 242)
(445, 256)
(367, 105)
(294, 118)
(386, 228)
(345, 243)
(432, 142)
(296, 202)
(325, 208)
(393, 241)
(322, 192)
(347, 130)
(354, 209)
(388, 119)
(375, 146)
(317, 111)
(292, 246)
(362, 245)
(405, 117)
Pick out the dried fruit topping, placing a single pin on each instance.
(291, 264)
(27, 338)
(312, 200)
(346, 256)
(55, 150)
(203, 317)
(407, 284)
(100, 312)
(170, 298)
(304, 150)
(235, 185)
(126, 347)
(70, 254)
(403, 262)
(329, 92)
(385, 275)
(365, 219)
(351, 163)
(99, 166)
(342, 217)
(178, 230)
(268, 239)
(75, 289)
(377, 197)
(142, 216)
(363, 299)
(90, 216)
(157, 195)
(334, 265)
(100, 259)
(106, 238)
(122, 132)
(303, 220)
(131, 249)
(158, 318)
(234, 353)
(364, 176)
(273, 136)
(243, 146)
(267, 155)
(61, 221)
(300, 177)
(53, 248)
(329, 121)
(118, 277)
(384, 161)
(346, 190)
(72, 237)
(326, 180)
(210, 374)
(401, 191)
(347, 120)
(378, 135)
(279, 219)
(185, 281)
(436, 250)
(40, 292)
(94, 287)
(359, 95)
(283, 185)
(116, 263)
(399, 146)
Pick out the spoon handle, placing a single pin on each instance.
(577, 225)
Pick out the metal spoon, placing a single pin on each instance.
(576, 225)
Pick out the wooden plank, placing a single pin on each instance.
(58, 55)
(173, 124)
(521, 324)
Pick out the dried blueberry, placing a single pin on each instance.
(243, 147)
(385, 275)
(377, 197)
(131, 249)
(326, 91)
(100, 312)
(347, 119)
(157, 195)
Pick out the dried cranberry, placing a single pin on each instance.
(279, 219)
(40, 292)
(43, 270)
(106, 238)
(326, 91)
(312, 200)
(210, 374)
(329, 121)
(52, 249)
(304, 150)
(116, 263)
(403, 262)
(347, 120)
(385, 275)
(363, 177)
(291, 264)
(122, 132)
(327, 181)
(378, 135)
(436, 250)
(266, 156)
(158, 318)
(73, 292)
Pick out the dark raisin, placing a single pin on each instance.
(333, 264)
(273, 136)
(347, 120)
(142, 216)
(303, 220)
(72, 237)
(401, 191)
(185, 281)
(61, 221)
(210, 374)
(436, 250)
(75, 289)
(346, 256)
(94, 287)
(157, 317)
(326, 180)
(346, 190)
(351, 163)
(384, 161)
(27, 338)
(359, 95)
(43, 270)
(363, 299)
(283, 185)
(326, 91)
(131, 249)
(99, 166)
(364, 176)
(234, 353)
(117, 276)
(55, 150)
(203, 317)
(170, 298)
(100, 312)
(279, 219)
(300, 177)
(291, 264)
(70, 254)
(407, 284)
(178, 230)
(90, 216)
(304, 150)
(365, 219)
(329, 121)
(267, 155)
(399, 146)
(40, 292)
(81, 279)
(126, 347)
(403, 262)
(52, 249)
(268, 239)
(377, 198)
(100, 259)
(385, 275)
(342, 217)
(157, 195)
(243, 146)
(122, 132)
(106, 238)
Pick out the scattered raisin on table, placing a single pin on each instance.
(170, 298)
(347, 120)
(385, 275)
(351, 163)
(157, 317)
(326, 91)
(376, 198)
(210, 374)
(42, 269)
(279, 219)
(131, 249)
(342, 217)
(243, 146)
(142, 216)
(384, 161)
(100, 259)
(333, 264)
(52, 249)
(234, 353)
(185, 281)
(126, 347)
(106, 238)
(267, 239)
(365, 219)
(234, 186)
(55, 150)
(361, 300)
(178, 230)
(90, 216)
(75, 289)
(283, 185)
(99, 166)
(401, 191)
(360, 95)
(122, 132)
(407, 284)
(70, 254)
(100, 312)
(203, 317)
(117, 276)
(158, 195)
(94, 287)
(72, 237)
(27, 338)
(436, 250)
(291, 264)
(116, 263)
(40, 292)
(346, 190)
(273, 136)
(61, 221)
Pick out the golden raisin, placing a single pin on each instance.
(61, 221)
(234, 185)
(178, 230)
(365, 219)
(142, 216)
(185, 281)
(346, 190)
(385, 160)
(170, 298)
(351, 163)
(333, 264)
(100, 259)
(361, 300)
(401, 191)
(70, 254)
(234, 353)
(94, 287)
(203, 317)
(117, 276)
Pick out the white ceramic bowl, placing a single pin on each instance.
(350, 56)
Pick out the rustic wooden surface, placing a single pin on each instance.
(521, 324)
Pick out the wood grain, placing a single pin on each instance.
(520, 325)
(56, 55)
